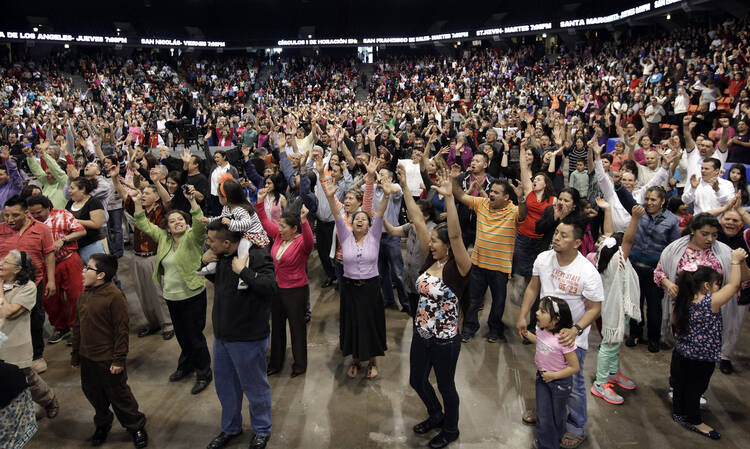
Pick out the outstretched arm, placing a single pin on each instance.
(415, 214)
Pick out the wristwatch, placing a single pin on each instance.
(580, 329)
(64, 240)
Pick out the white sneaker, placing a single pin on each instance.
(208, 269)
(39, 365)
(241, 285)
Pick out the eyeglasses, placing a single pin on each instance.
(88, 268)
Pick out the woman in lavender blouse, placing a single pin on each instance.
(362, 314)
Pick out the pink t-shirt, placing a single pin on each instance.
(550, 354)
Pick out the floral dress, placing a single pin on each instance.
(702, 257)
(703, 339)
(437, 311)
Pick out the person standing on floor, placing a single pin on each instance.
(442, 287)
(697, 323)
(178, 257)
(100, 348)
(363, 315)
(153, 305)
(498, 220)
(241, 330)
(61, 307)
(563, 272)
(21, 232)
(17, 299)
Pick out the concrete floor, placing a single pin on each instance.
(325, 409)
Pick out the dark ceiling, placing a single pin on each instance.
(242, 20)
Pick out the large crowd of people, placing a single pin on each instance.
(609, 178)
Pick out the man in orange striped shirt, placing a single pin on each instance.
(498, 220)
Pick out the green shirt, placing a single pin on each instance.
(53, 190)
(175, 288)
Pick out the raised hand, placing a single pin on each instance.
(455, 171)
(738, 255)
(401, 174)
(262, 194)
(5, 152)
(330, 189)
(186, 155)
(638, 211)
(303, 213)
(694, 181)
(443, 184)
(602, 203)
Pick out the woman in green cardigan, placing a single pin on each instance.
(178, 257)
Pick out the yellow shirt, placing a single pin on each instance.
(496, 235)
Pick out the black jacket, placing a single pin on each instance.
(243, 315)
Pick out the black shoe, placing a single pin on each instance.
(443, 439)
(222, 440)
(179, 375)
(465, 338)
(140, 438)
(328, 283)
(631, 342)
(259, 441)
(272, 371)
(167, 335)
(200, 385)
(58, 336)
(725, 366)
(428, 424)
(653, 346)
(145, 332)
(100, 436)
(296, 373)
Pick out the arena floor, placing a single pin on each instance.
(325, 409)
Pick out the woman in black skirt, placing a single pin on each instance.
(362, 301)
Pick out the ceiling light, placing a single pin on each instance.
(35, 29)
(669, 16)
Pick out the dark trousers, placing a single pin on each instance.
(690, 379)
(480, 279)
(189, 319)
(552, 410)
(114, 233)
(289, 304)
(213, 205)
(324, 240)
(391, 270)
(652, 296)
(442, 356)
(37, 323)
(102, 389)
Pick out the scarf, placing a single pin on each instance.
(621, 297)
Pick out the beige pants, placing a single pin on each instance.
(41, 393)
(149, 294)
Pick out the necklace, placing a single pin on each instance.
(441, 264)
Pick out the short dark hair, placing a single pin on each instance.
(222, 231)
(608, 157)
(106, 264)
(484, 156)
(659, 190)
(85, 184)
(188, 218)
(575, 221)
(16, 200)
(715, 162)
(41, 200)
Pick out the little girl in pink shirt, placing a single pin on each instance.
(555, 365)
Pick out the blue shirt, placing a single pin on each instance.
(394, 204)
(653, 235)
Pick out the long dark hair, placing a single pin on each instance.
(741, 185)
(549, 187)
(606, 254)
(548, 304)
(576, 195)
(699, 221)
(277, 186)
(689, 284)
(235, 196)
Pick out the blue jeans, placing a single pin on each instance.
(87, 251)
(577, 401)
(480, 279)
(240, 367)
(390, 261)
(114, 233)
(551, 410)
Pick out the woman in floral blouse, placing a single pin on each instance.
(436, 342)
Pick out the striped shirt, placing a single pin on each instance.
(496, 235)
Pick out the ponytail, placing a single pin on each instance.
(689, 284)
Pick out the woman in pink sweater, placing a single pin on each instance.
(292, 245)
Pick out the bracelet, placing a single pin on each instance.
(738, 263)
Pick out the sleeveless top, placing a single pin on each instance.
(437, 310)
(703, 340)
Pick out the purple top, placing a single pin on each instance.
(466, 156)
(703, 340)
(360, 261)
(14, 184)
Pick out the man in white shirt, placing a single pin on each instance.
(654, 113)
(709, 191)
(563, 272)
(703, 147)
